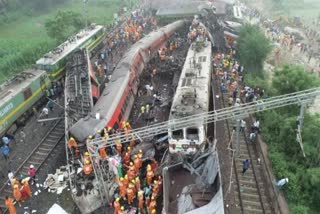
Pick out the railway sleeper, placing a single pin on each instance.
(45, 148)
(250, 210)
(252, 203)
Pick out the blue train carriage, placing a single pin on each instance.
(19, 94)
(55, 61)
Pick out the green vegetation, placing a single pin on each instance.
(23, 35)
(279, 132)
(253, 48)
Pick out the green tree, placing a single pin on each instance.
(291, 79)
(253, 48)
(64, 24)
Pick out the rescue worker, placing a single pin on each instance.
(150, 175)
(122, 188)
(86, 157)
(155, 188)
(137, 183)
(26, 187)
(10, 205)
(17, 194)
(126, 158)
(137, 163)
(116, 206)
(140, 155)
(133, 187)
(126, 180)
(153, 204)
(87, 168)
(102, 153)
(147, 108)
(141, 202)
(122, 211)
(131, 172)
(72, 144)
(15, 181)
(130, 194)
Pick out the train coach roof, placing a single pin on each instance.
(111, 95)
(15, 85)
(192, 94)
(67, 47)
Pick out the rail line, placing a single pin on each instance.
(37, 157)
(251, 191)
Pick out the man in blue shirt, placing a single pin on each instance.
(5, 151)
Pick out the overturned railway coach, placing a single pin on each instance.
(116, 100)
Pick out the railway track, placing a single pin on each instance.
(37, 157)
(251, 191)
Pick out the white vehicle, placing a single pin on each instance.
(192, 97)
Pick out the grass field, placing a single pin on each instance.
(27, 33)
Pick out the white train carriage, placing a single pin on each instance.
(192, 97)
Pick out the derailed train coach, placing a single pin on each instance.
(116, 100)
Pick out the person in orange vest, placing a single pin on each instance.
(137, 183)
(125, 180)
(126, 158)
(131, 172)
(122, 188)
(132, 143)
(150, 175)
(130, 194)
(119, 146)
(26, 187)
(86, 157)
(122, 211)
(129, 150)
(133, 187)
(87, 168)
(153, 204)
(17, 194)
(103, 153)
(116, 206)
(140, 155)
(137, 163)
(15, 182)
(72, 144)
(10, 205)
(155, 188)
(141, 202)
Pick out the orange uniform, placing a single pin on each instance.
(122, 189)
(150, 176)
(155, 188)
(72, 143)
(116, 206)
(130, 195)
(137, 183)
(10, 205)
(152, 205)
(125, 181)
(17, 194)
(103, 153)
(141, 202)
(126, 158)
(131, 174)
(87, 169)
(137, 164)
(26, 188)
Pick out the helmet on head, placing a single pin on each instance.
(153, 211)
(87, 162)
(122, 208)
(31, 166)
(121, 179)
(86, 153)
(131, 164)
(90, 137)
(129, 148)
(117, 199)
(16, 186)
(155, 182)
(99, 131)
(135, 156)
(140, 151)
(126, 176)
(71, 138)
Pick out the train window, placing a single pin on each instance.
(177, 134)
(202, 59)
(120, 117)
(27, 93)
(192, 134)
